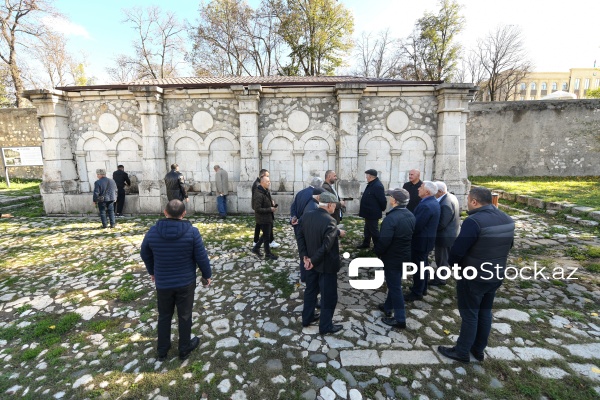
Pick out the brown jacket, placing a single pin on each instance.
(262, 203)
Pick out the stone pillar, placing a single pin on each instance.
(152, 190)
(395, 173)
(60, 176)
(112, 161)
(84, 185)
(450, 157)
(248, 102)
(348, 95)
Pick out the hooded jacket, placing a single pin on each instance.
(172, 250)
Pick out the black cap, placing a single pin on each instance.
(317, 191)
(371, 172)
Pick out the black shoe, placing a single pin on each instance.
(437, 282)
(382, 309)
(102, 227)
(334, 329)
(271, 256)
(478, 356)
(314, 319)
(393, 323)
(192, 346)
(409, 298)
(163, 357)
(257, 252)
(363, 246)
(450, 352)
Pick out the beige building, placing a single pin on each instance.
(536, 85)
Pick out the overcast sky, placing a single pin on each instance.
(558, 35)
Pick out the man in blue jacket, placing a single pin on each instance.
(372, 205)
(485, 239)
(427, 217)
(172, 250)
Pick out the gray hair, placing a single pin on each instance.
(316, 182)
(441, 186)
(430, 187)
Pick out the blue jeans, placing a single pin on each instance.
(326, 283)
(475, 301)
(103, 207)
(222, 205)
(167, 299)
(395, 300)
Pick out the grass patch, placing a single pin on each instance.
(593, 267)
(279, 280)
(20, 187)
(525, 285)
(556, 282)
(576, 253)
(581, 190)
(593, 251)
(30, 354)
(573, 315)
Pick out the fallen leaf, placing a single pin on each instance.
(256, 335)
(596, 370)
(446, 331)
(594, 314)
(568, 326)
(52, 327)
(239, 296)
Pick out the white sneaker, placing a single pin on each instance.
(274, 244)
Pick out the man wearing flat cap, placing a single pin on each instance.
(372, 205)
(394, 248)
(105, 195)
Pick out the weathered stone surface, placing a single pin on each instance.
(587, 222)
(581, 210)
(410, 357)
(532, 353)
(500, 353)
(512, 315)
(589, 350)
(533, 202)
(552, 372)
(359, 358)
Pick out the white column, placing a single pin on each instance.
(450, 156)
(152, 196)
(395, 173)
(84, 185)
(60, 175)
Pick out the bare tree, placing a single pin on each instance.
(504, 59)
(378, 56)
(157, 48)
(471, 70)
(20, 23)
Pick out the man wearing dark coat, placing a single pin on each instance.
(427, 217)
(172, 250)
(175, 183)
(372, 205)
(264, 213)
(319, 247)
(393, 248)
(412, 187)
(447, 229)
(121, 178)
(255, 185)
(485, 239)
(329, 185)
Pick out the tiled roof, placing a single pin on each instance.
(273, 81)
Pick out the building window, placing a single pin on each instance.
(586, 84)
(597, 83)
(532, 85)
(565, 86)
(577, 84)
(554, 85)
(543, 86)
(523, 86)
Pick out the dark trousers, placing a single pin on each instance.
(257, 233)
(441, 255)
(265, 238)
(419, 285)
(326, 284)
(371, 231)
(167, 299)
(120, 200)
(475, 301)
(107, 207)
(395, 300)
(302, 269)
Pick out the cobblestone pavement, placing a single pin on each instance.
(78, 320)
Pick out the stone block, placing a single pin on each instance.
(551, 212)
(595, 215)
(509, 196)
(210, 204)
(522, 199)
(360, 358)
(587, 222)
(533, 202)
(572, 219)
(132, 203)
(151, 205)
(244, 190)
(582, 210)
(245, 205)
(54, 203)
(284, 201)
(80, 204)
(408, 357)
(589, 350)
(552, 205)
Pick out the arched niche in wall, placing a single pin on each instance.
(92, 153)
(186, 149)
(128, 147)
(278, 157)
(418, 150)
(224, 150)
(316, 153)
(379, 150)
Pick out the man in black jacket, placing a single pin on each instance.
(319, 247)
(329, 185)
(175, 183)
(264, 212)
(121, 178)
(483, 243)
(393, 248)
(447, 227)
(412, 187)
(255, 185)
(372, 205)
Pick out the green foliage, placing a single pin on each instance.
(576, 253)
(30, 354)
(593, 251)
(593, 93)
(593, 267)
(318, 33)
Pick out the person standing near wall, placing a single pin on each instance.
(222, 186)
(264, 213)
(412, 187)
(447, 229)
(175, 183)
(372, 205)
(329, 185)
(255, 185)
(105, 195)
(121, 178)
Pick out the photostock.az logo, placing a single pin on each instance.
(366, 262)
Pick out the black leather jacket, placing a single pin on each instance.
(175, 183)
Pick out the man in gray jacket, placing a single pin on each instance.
(105, 195)
(447, 229)
(222, 187)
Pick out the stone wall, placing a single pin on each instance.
(534, 138)
(19, 127)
